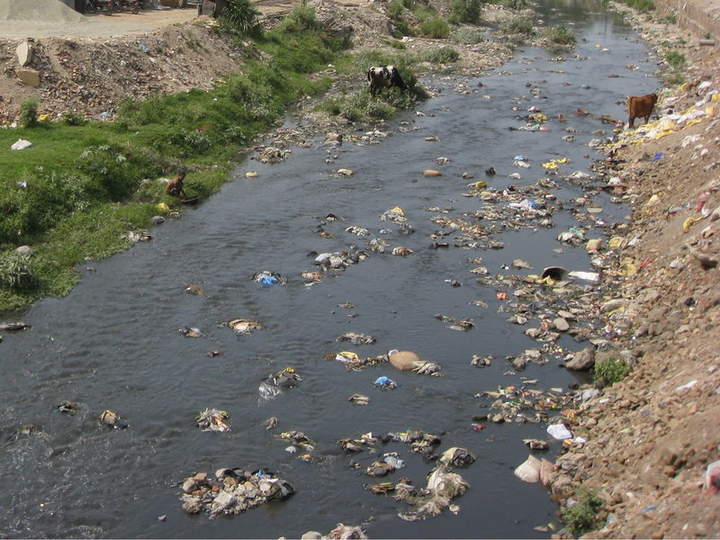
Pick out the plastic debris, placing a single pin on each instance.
(190, 332)
(345, 172)
(111, 418)
(431, 172)
(270, 423)
(232, 491)
(410, 361)
(442, 487)
(457, 457)
(213, 420)
(559, 432)
(67, 407)
(278, 381)
(385, 383)
(359, 399)
(461, 325)
(21, 144)
(347, 532)
(244, 326)
(268, 279)
(356, 338)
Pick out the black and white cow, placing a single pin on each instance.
(380, 77)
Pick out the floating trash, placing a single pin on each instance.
(213, 420)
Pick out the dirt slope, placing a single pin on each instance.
(651, 437)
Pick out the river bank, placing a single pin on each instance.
(652, 436)
(66, 219)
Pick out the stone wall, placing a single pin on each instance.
(699, 16)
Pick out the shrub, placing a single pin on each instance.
(240, 17)
(74, 119)
(379, 110)
(435, 27)
(583, 516)
(560, 35)
(518, 25)
(29, 113)
(676, 60)
(443, 55)
(465, 11)
(300, 19)
(515, 4)
(468, 35)
(16, 271)
(610, 371)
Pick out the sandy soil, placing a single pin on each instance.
(98, 25)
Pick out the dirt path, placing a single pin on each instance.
(98, 25)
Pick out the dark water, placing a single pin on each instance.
(113, 343)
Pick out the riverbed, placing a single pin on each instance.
(113, 343)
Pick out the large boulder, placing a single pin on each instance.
(582, 360)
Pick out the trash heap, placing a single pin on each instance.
(232, 491)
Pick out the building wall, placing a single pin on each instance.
(699, 16)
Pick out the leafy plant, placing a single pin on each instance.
(29, 113)
(435, 27)
(74, 119)
(518, 25)
(443, 55)
(16, 271)
(240, 17)
(583, 516)
(468, 35)
(560, 35)
(465, 11)
(608, 372)
(676, 60)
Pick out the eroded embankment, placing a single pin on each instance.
(652, 436)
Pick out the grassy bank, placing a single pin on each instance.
(82, 186)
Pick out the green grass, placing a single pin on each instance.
(583, 516)
(83, 185)
(465, 11)
(443, 55)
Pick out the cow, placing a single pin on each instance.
(640, 107)
(175, 186)
(380, 77)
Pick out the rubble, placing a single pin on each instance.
(232, 491)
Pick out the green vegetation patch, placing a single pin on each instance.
(559, 35)
(585, 515)
(83, 185)
(608, 372)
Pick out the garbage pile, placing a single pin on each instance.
(275, 383)
(521, 404)
(232, 491)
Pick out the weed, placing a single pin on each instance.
(608, 372)
(560, 35)
(29, 113)
(676, 60)
(16, 271)
(394, 44)
(435, 27)
(74, 119)
(468, 35)
(643, 6)
(516, 4)
(465, 11)
(518, 25)
(669, 19)
(443, 55)
(583, 516)
(300, 20)
(240, 17)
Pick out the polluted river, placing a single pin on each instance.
(114, 342)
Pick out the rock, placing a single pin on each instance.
(547, 472)
(30, 77)
(561, 324)
(529, 470)
(157, 220)
(582, 360)
(24, 52)
(223, 500)
(612, 305)
(311, 535)
(189, 485)
(345, 172)
(431, 172)
(588, 394)
(24, 250)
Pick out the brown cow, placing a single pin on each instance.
(640, 107)
(175, 186)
